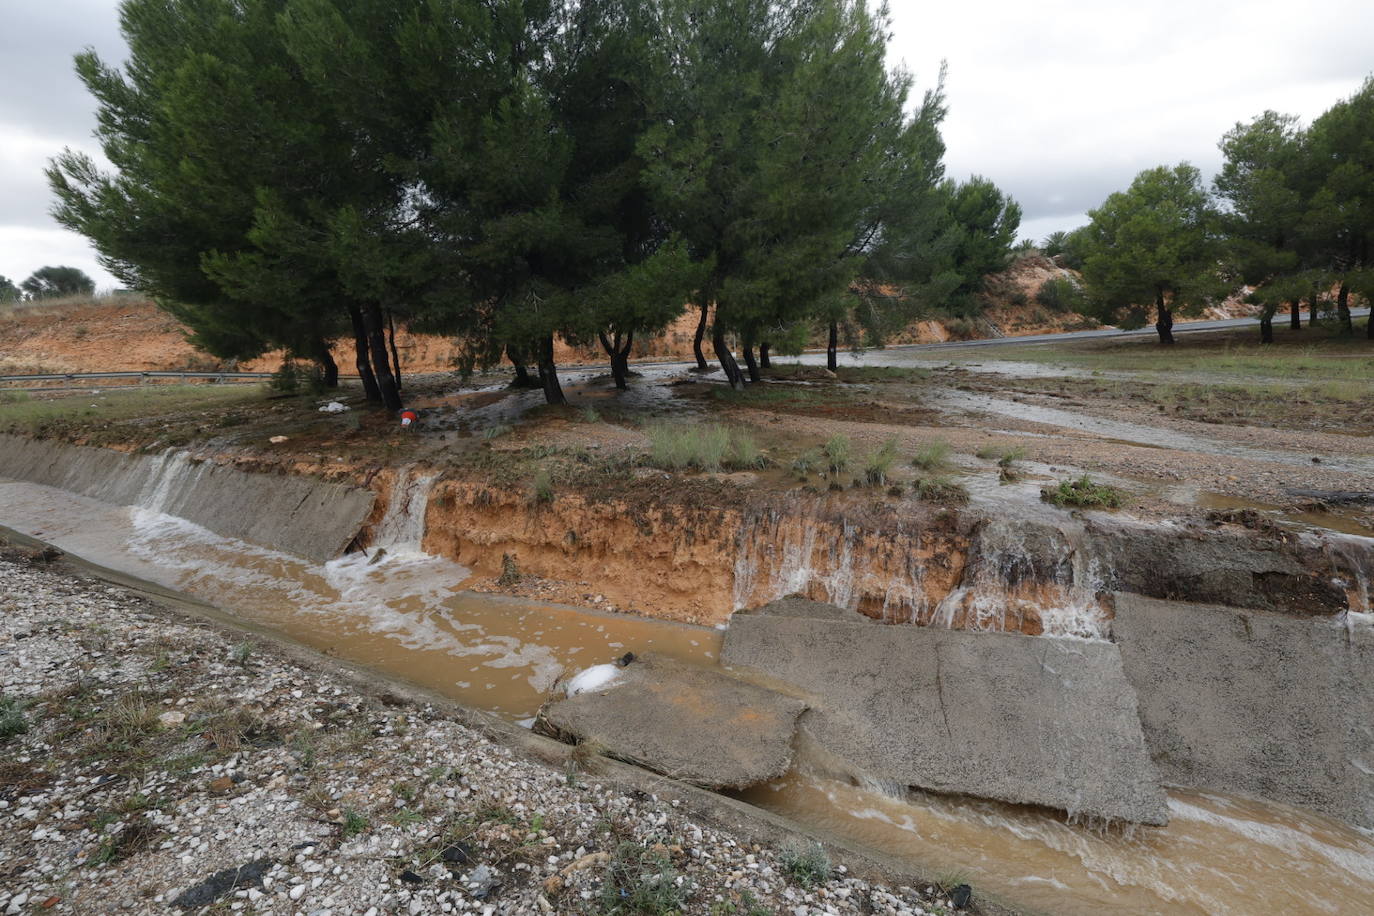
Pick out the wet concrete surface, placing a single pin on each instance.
(696, 724)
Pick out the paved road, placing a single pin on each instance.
(1147, 331)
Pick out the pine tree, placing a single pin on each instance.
(1155, 242)
(1339, 222)
(52, 282)
(1257, 182)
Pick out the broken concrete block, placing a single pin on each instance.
(1257, 703)
(695, 724)
(1017, 718)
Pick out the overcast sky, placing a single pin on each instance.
(1060, 102)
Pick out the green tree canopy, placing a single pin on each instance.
(1263, 208)
(1338, 226)
(982, 226)
(51, 282)
(1154, 243)
(785, 124)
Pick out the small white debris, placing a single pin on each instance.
(597, 677)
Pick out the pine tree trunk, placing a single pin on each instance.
(395, 357)
(381, 362)
(702, 365)
(763, 356)
(1164, 324)
(624, 355)
(1312, 309)
(1294, 318)
(750, 363)
(726, 358)
(361, 360)
(1266, 329)
(548, 373)
(522, 379)
(1343, 309)
(832, 347)
(620, 358)
(328, 367)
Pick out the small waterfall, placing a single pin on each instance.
(798, 549)
(402, 528)
(1020, 573)
(167, 480)
(1352, 558)
(1018, 576)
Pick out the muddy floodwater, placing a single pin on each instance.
(398, 610)
(405, 613)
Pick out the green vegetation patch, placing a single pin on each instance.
(1083, 492)
(680, 446)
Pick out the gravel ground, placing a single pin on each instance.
(151, 763)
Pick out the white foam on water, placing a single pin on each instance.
(1291, 841)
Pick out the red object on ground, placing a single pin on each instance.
(408, 417)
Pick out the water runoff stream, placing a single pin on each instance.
(405, 613)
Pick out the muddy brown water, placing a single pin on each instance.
(405, 614)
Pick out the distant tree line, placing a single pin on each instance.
(288, 172)
(47, 283)
(1289, 219)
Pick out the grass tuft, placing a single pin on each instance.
(941, 490)
(932, 457)
(641, 882)
(878, 463)
(703, 447)
(1083, 492)
(836, 451)
(543, 487)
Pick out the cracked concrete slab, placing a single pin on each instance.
(1022, 719)
(696, 724)
(1258, 703)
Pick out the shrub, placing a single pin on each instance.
(879, 462)
(1060, 294)
(293, 378)
(495, 432)
(808, 867)
(1083, 492)
(836, 450)
(12, 721)
(933, 457)
(590, 415)
(940, 490)
(961, 328)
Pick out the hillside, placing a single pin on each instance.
(131, 333)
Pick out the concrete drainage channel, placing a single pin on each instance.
(825, 715)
